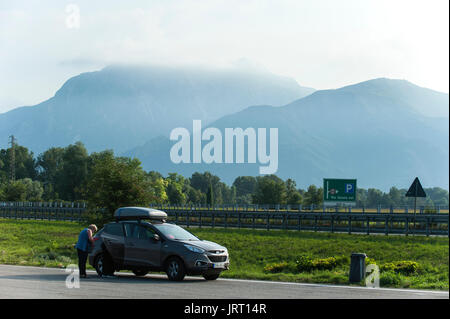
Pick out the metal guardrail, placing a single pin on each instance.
(348, 222)
(308, 208)
(414, 224)
(42, 213)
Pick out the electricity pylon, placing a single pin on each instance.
(12, 159)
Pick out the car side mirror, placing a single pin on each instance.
(155, 237)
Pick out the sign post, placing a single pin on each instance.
(339, 191)
(415, 190)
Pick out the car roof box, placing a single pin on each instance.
(137, 213)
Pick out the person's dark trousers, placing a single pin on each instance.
(82, 258)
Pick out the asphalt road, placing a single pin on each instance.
(36, 282)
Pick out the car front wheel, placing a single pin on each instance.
(175, 269)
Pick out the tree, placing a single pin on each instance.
(158, 190)
(244, 185)
(270, 189)
(22, 190)
(210, 195)
(116, 182)
(194, 196)
(293, 196)
(14, 192)
(34, 190)
(153, 175)
(313, 196)
(361, 197)
(374, 197)
(25, 164)
(222, 194)
(64, 171)
(395, 196)
(202, 181)
(245, 199)
(175, 185)
(50, 164)
(3, 174)
(233, 195)
(74, 173)
(438, 195)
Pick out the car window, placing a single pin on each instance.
(174, 232)
(131, 230)
(114, 229)
(138, 232)
(144, 233)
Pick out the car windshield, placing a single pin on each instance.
(175, 232)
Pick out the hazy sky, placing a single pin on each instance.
(321, 43)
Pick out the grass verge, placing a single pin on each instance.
(50, 243)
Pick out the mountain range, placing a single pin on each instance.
(371, 131)
(120, 107)
(383, 132)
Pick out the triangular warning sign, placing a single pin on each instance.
(416, 189)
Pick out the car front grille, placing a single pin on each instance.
(217, 252)
(217, 259)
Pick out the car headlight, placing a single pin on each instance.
(194, 249)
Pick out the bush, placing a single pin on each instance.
(343, 260)
(276, 267)
(404, 267)
(325, 263)
(306, 263)
(394, 279)
(370, 261)
(22, 190)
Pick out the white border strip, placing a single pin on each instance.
(337, 286)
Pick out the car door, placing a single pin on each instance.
(131, 239)
(141, 249)
(113, 237)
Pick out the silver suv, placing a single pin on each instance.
(141, 240)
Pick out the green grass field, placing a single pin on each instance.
(50, 243)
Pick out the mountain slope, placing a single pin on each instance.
(121, 107)
(370, 131)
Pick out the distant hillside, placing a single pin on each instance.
(376, 131)
(121, 107)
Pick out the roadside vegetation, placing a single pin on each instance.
(405, 262)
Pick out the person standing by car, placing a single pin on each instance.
(85, 239)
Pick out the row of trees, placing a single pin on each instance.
(105, 180)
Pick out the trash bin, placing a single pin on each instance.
(357, 267)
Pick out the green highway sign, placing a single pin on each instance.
(339, 191)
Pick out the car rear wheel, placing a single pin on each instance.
(211, 277)
(175, 269)
(104, 265)
(140, 272)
